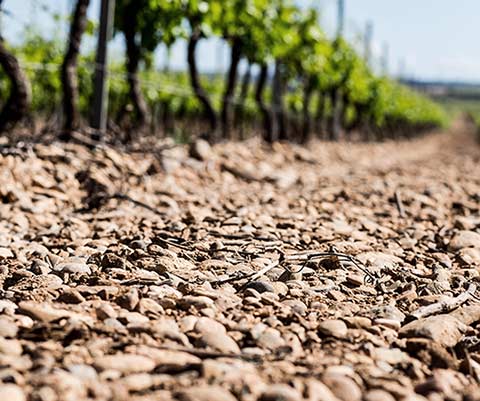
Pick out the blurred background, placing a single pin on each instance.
(428, 46)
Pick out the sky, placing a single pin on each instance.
(426, 39)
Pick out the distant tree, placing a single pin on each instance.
(18, 102)
(69, 70)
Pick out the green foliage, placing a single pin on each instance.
(268, 29)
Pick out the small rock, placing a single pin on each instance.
(8, 329)
(221, 342)
(280, 392)
(297, 306)
(169, 361)
(469, 256)
(10, 347)
(271, 339)
(105, 311)
(343, 387)
(378, 395)
(386, 312)
(443, 329)
(200, 149)
(464, 239)
(129, 300)
(467, 314)
(317, 391)
(358, 322)
(73, 267)
(197, 302)
(390, 323)
(11, 392)
(261, 286)
(138, 382)
(71, 296)
(125, 363)
(42, 312)
(333, 328)
(83, 372)
(205, 393)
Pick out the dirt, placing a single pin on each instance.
(336, 272)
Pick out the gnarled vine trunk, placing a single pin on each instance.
(320, 115)
(236, 53)
(197, 87)
(133, 53)
(279, 131)
(267, 121)
(240, 106)
(307, 97)
(69, 70)
(18, 102)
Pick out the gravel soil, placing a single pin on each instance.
(336, 272)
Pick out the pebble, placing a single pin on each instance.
(464, 239)
(205, 393)
(317, 391)
(73, 267)
(197, 302)
(378, 395)
(129, 300)
(444, 329)
(333, 328)
(271, 339)
(221, 342)
(8, 329)
(11, 392)
(42, 312)
(280, 392)
(201, 150)
(343, 387)
(261, 286)
(168, 360)
(125, 363)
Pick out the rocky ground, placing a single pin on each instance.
(334, 273)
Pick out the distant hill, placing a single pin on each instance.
(453, 89)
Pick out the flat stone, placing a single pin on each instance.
(8, 329)
(443, 329)
(125, 363)
(464, 239)
(138, 382)
(261, 286)
(378, 395)
(333, 328)
(200, 149)
(343, 387)
(271, 339)
(197, 302)
(205, 393)
(73, 267)
(317, 391)
(221, 342)
(469, 256)
(280, 392)
(168, 360)
(11, 392)
(42, 312)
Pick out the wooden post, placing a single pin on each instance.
(100, 101)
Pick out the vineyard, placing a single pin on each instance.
(299, 227)
(297, 84)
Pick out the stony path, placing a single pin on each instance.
(162, 276)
